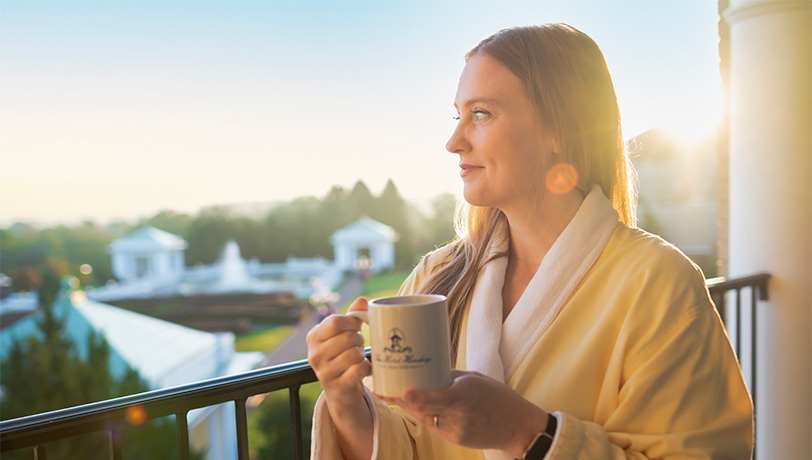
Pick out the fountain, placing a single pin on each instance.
(233, 271)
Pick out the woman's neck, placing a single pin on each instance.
(534, 229)
(532, 233)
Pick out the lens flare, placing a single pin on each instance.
(561, 178)
(136, 415)
(85, 269)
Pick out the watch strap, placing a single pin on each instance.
(544, 440)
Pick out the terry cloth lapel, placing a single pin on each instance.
(567, 261)
(563, 267)
(485, 317)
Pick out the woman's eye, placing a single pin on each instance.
(456, 117)
(479, 114)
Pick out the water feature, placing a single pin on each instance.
(233, 271)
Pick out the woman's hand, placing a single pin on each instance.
(476, 411)
(335, 350)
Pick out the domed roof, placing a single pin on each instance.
(364, 230)
(148, 239)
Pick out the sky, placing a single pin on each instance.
(119, 109)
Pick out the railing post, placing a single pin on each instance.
(753, 311)
(40, 452)
(296, 422)
(183, 435)
(242, 428)
(739, 324)
(114, 436)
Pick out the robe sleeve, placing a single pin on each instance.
(680, 401)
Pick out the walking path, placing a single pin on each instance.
(295, 347)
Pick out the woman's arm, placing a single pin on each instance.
(335, 350)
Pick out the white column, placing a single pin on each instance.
(771, 207)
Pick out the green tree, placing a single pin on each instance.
(54, 253)
(25, 278)
(391, 209)
(440, 227)
(171, 221)
(299, 229)
(44, 372)
(360, 201)
(335, 209)
(270, 437)
(208, 233)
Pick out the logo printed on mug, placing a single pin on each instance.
(396, 336)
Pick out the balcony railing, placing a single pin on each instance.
(36, 431)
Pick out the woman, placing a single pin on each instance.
(574, 334)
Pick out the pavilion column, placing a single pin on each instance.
(770, 206)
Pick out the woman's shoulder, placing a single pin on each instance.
(640, 251)
(435, 259)
(645, 266)
(431, 262)
(657, 289)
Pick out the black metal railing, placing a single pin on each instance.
(109, 416)
(721, 290)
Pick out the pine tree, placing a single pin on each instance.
(391, 209)
(360, 201)
(45, 372)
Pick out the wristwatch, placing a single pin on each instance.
(539, 447)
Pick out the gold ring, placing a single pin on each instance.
(436, 421)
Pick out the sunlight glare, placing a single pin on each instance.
(136, 415)
(561, 178)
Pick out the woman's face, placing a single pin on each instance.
(502, 151)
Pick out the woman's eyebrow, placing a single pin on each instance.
(479, 100)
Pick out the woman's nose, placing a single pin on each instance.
(457, 142)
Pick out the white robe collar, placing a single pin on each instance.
(563, 267)
(566, 263)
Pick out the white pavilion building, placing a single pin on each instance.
(364, 238)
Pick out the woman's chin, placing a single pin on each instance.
(476, 197)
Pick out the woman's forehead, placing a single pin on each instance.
(486, 80)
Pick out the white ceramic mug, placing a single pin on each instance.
(410, 343)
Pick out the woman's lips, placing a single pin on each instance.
(466, 169)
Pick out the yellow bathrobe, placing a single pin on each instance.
(615, 335)
(636, 364)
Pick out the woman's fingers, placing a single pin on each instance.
(360, 304)
(336, 366)
(356, 372)
(331, 326)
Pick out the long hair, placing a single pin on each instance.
(566, 79)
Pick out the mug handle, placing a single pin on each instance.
(360, 314)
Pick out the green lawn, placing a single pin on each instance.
(380, 285)
(384, 284)
(265, 340)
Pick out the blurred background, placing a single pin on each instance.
(224, 174)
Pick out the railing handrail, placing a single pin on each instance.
(34, 429)
(38, 429)
(721, 284)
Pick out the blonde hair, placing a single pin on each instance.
(566, 79)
